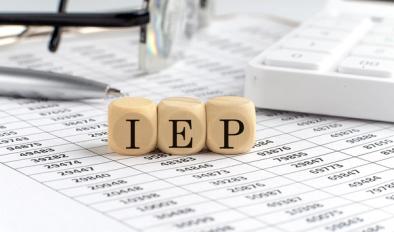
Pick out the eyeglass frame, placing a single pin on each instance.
(61, 19)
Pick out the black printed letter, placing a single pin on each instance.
(132, 134)
(183, 133)
(226, 124)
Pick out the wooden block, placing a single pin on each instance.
(231, 124)
(132, 125)
(181, 125)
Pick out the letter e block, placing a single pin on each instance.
(181, 125)
(231, 124)
(132, 125)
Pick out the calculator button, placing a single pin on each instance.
(296, 59)
(339, 23)
(321, 33)
(367, 67)
(374, 52)
(383, 29)
(312, 45)
(384, 40)
(333, 24)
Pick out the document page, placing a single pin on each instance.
(305, 172)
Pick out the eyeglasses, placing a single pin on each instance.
(165, 27)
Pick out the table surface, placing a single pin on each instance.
(296, 10)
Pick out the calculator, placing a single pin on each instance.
(339, 62)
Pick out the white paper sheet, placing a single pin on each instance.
(305, 173)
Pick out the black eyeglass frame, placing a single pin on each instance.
(61, 19)
(165, 27)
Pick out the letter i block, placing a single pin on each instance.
(132, 125)
(181, 125)
(231, 124)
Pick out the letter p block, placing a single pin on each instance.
(231, 124)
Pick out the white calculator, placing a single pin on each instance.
(340, 62)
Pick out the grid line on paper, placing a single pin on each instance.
(370, 162)
(232, 176)
(295, 181)
(53, 188)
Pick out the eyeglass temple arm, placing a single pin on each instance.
(57, 31)
(118, 19)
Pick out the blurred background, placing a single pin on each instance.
(292, 9)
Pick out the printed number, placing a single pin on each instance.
(62, 164)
